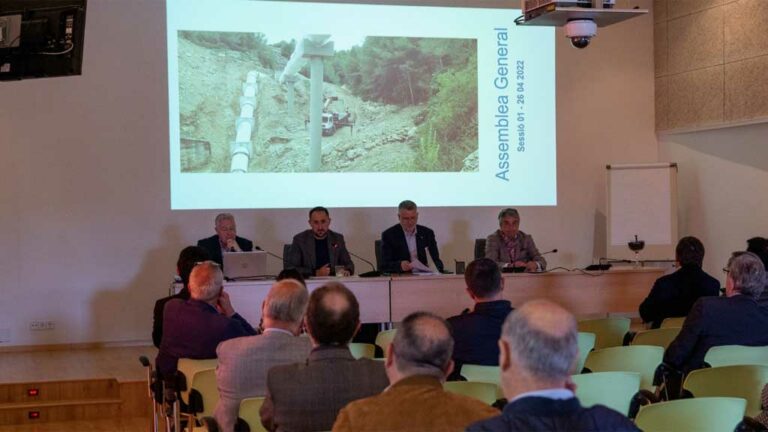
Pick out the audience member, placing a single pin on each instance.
(188, 257)
(291, 274)
(318, 250)
(193, 328)
(225, 240)
(418, 360)
(510, 247)
(759, 247)
(406, 242)
(476, 333)
(673, 295)
(735, 319)
(244, 362)
(538, 354)
(307, 396)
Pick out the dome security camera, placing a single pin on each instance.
(580, 32)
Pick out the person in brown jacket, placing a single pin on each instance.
(418, 360)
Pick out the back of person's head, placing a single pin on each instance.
(286, 301)
(542, 339)
(188, 258)
(205, 281)
(291, 273)
(423, 345)
(333, 314)
(759, 247)
(690, 250)
(483, 278)
(747, 272)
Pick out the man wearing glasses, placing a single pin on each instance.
(225, 240)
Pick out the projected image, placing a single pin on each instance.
(251, 102)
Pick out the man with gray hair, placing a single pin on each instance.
(407, 242)
(735, 319)
(538, 352)
(193, 328)
(243, 362)
(510, 247)
(418, 361)
(225, 240)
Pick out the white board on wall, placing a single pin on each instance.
(642, 201)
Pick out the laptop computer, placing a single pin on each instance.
(245, 265)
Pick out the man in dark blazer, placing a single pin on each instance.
(407, 241)
(673, 295)
(318, 250)
(225, 239)
(735, 319)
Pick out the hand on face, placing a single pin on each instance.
(224, 305)
(227, 231)
(233, 246)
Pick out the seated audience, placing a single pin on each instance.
(188, 257)
(291, 274)
(510, 247)
(759, 247)
(407, 242)
(225, 240)
(673, 295)
(318, 250)
(193, 328)
(418, 361)
(735, 319)
(307, 396)
(538, 354)
(476, 333)
(244, 362)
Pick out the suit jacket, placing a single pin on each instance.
(394, 248)
(212, 245)
(308, 396)
(715, 321)
(301, 255)
(157, 315)
(414, 404)
(524, 251)
(476, 334)
(542, 414)
(673, 295)
(193, 329)
(243, 365)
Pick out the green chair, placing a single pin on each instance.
(715, 414)
(609, 332)
(480, 373)
(676, 322)
(482, 391)
(612, 389)
(743, 381)
(249, 412)
(384, 338)
(661, 337)
(586, 342)
(191, 368)
(642, 359)
(362, 350)
(731, 355)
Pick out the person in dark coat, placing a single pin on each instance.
(225, 240)
(406, 242)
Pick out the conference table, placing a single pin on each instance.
(392, 298)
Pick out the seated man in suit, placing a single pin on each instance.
(418, 360)
(510, 247)
(538, 354)
(759, 247)
(477, 333)
(318, 250)
(225, 240)
(188, 258)
(244, 362)
(307, 396)
(673, 295)
(406, 242)
(735, 319)
(193, 328)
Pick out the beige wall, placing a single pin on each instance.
(89, 240)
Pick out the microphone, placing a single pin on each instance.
(372, 273)
(549, 252)
(258, 248)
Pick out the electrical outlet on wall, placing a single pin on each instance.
(42, 325)
(5, 335)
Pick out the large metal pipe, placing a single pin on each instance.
(315, 112)
(241, 148)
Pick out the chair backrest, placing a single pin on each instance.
(204, 383)
(362, 350)
(377, 252)
(658, 337)
(384, 338)
(716, 414)
(480, 373)
(286, 251)
(249, 412)
(190, 368)
(612, 389)
(743, 381)
(586, 343)
(479, 248)
(643, 359)
(731, 355)
(609, 332)
(482, 391)
(672, 322)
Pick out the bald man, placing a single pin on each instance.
(307, 396)
(418, 361)
(538, 353)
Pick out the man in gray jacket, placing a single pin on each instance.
(318, 250)
(510, 247)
